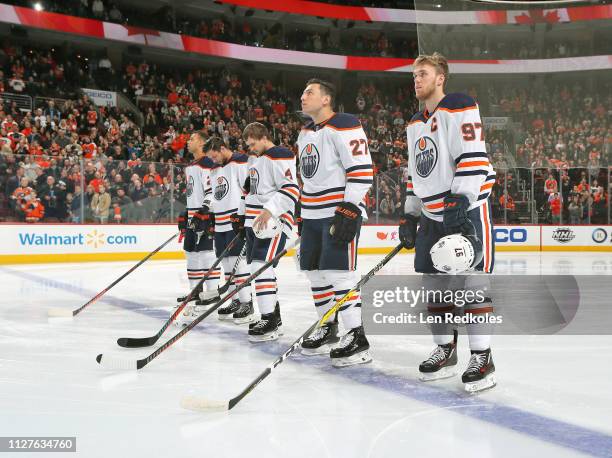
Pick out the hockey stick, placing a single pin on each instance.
(59, 312)
(121, 363)
(203, 404)
(137, 342)
(228, 282)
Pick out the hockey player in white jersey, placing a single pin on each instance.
(227, 181)
(269, 221)
(336, 171)
(450, 179)
(197, 228)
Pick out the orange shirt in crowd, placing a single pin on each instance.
(89, 150)
(33, 210)
(509, 204)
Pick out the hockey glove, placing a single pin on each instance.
(202, 221)
(455, 215)
(346, 222)
(247, 185)
(238, 225)
(182, 221)
(408, 230)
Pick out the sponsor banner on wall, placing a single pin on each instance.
(67, 239)
(517, 237)
(593, 238)
(101, 98)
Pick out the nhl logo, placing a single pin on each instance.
(221, 189)
(190, 186)
(309, 160)
(254, 177)
(563, 235)
(426, 156)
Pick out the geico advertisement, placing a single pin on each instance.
(516, 235)
(53, 239)
(595, 236)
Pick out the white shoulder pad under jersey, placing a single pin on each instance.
(273, 187)
(335, 165)
(447, 154)
(197, 175)
(227, 183)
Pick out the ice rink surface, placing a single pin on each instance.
(553, 397)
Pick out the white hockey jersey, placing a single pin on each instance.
(446, 154)
(335, 165)
(227, 182)
(197, 175)
(273, 187)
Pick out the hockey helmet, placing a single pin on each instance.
(272, 228)
(456, 253)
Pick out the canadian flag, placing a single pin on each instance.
(140, 35)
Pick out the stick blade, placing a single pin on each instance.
(109, 362)
(57, 312)
(134, 342)
(200, 404)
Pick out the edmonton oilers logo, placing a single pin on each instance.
(190, 186)
(254, 176)
(309, 160)
(426, 156)
(221, 189)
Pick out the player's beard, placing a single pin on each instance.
(426, 92)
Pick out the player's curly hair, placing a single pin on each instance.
(436, 60)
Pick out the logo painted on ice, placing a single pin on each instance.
(254, 177)
(190, 186)
(426, 156)
(309, 160)
(563, 235)
(221, 188)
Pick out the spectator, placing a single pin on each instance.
(100, 205)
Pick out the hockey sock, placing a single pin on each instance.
(206, 260)
(344, 281)
(434, 285)
(194, 271)
(265, 288)
(322, 291)
(479, 334)
(242, 272)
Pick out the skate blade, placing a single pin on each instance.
(445, 372)
(245, 320)
(265, 338)
(481, 385)
(225, 317)
(360, 358)
(322, 350)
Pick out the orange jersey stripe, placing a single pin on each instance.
(323, 199)
(434, 206)
(473, 164)
(458, 110)
(360, 174)
(484, 187)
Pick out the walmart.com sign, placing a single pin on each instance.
(94, 239)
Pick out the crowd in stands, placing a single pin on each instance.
(336, 38)
(42, 150)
